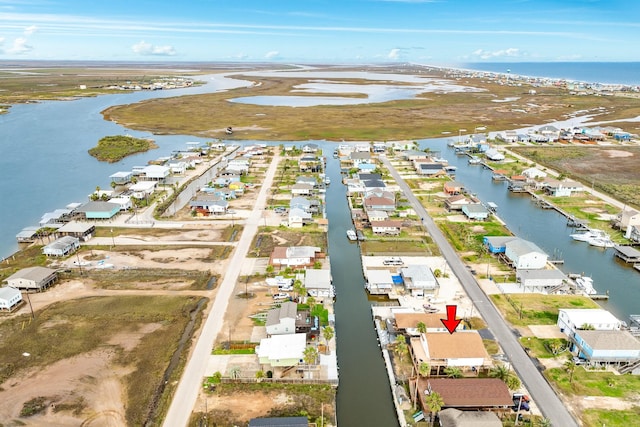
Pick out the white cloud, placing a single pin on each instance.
(394, 53)
(30, 30)
(20, 46)
(272, 55)
(144, 48)
(485, 54)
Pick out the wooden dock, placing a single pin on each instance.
(599, 297)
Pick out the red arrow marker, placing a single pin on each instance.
(450, 322)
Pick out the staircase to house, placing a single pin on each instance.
(629, 367)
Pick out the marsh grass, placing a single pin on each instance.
(66, 329)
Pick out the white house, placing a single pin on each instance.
(9, 298)
(294, 256)
(142, 189)
(419, 280)
(282, 320)
(123, 201)
(540, 280)
(32, 278)
(298, 217)
(62, 246)
(177, 166)
(282, 350)
(155, 173)
(318, 284)
(533, 173)
(388, 227)
(525, 254)
(375, 215)
(379, 282)
(494, 154)
(301, 189)
(572, 319)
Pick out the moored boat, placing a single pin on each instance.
(601, 242)
(351, 235)
(590, 234)
(585, 284)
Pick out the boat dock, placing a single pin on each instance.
(628, 254)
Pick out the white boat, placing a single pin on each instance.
(327, 181)
(589, 235)
(440, 160)
(601, 242)
(475, 160)
(586, 284)
(352, 235)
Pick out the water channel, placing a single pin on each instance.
(548, 229)
(364, 394)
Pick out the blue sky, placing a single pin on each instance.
(438, 32)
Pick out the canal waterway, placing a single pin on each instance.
(548, 229)
(364, 394)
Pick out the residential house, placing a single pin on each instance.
(358, 157)
(82, 230)
(208, 203)
(32, 279)
(525, 254)
(464, 349)
(375, 215)
(155, 173)
(541, 280)
(453, 188)
(627, 218)
(300, 202)
(419, 280)
(452, 417)
(468, 393)
(301, 189)
(10, 298)
(373, 184)
(369, 176)
(309, 163)
(279, 422)
(294, 256)
(310, 148)
(606, 347)
(124, 202)
(121, 178)
(509, 136)
(297, 218)
(58, 216)
(427, 168)
(379, 282)
(497, 244)
(388, 227)
(571, 320)
(282, 351)
(379, 147)
(28, 234)
(354, 186)
(475, 211)
(318, 284)
(143, 189)
(551, 132)
(363, 147)
(99, 210)
(379, 204)
(412, 155)
(311, 180)
(62, 246)
(494, 154)
(282, 320)
(407, 322)
(178, 167)
(534, 173)
(562, 188)
(455, 203)
(241, 166)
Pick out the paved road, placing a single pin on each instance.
(186, 394)
(541, 392)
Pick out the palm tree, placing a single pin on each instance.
(453, 372)
(545, 422)
(435, 403)
(503, 373)
(299, 288)
(327, 333)
(310, 355)
(570, 367)
(424, 369)
(422, 328)
(401, 347)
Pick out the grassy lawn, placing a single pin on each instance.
(66, 329)
(408, 247)
(535, 309)
(268, 238)
(542, 348)
(149, 278)
(603, 417)
(594, 383)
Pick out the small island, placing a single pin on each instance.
(116, 147)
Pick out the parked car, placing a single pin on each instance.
(281, 296)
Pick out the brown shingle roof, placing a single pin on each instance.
(411, 320)
(469, 392)
(460, 345)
